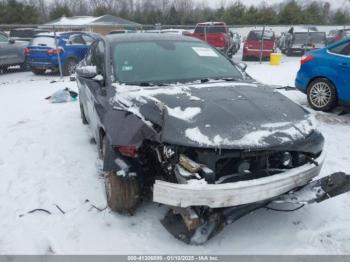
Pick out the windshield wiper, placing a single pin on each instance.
(146, 84)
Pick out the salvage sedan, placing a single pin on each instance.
(175, 119)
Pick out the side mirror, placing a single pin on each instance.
(12, 41)
(242, 66)
(86, 71)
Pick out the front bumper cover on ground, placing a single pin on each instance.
(314, 192)
(238, 193)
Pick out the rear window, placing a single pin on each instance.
(343, 49)
(313, 37)
(201, 29)
(258, 35)
(43, 41)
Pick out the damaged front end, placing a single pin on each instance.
(207, 189)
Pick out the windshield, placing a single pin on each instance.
(170, 61)
(43, 41)
(257, 35)
(313, 38)
(347, 33)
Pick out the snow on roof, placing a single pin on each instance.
(90, 20)
(72, 21)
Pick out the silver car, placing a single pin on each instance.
(12, 53)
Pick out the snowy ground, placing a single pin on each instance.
(46, 159)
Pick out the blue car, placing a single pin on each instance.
(44, 51)
(324, 76)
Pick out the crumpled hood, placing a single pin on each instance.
(218, 115)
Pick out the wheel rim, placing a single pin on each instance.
(71, 67)
(320, 94)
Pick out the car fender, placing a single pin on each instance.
(324, 72)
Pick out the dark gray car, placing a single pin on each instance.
(172, 114)
(12, 53)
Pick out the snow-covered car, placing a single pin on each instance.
(175, 118)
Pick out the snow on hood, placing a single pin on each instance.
(131, 97)
(293, 131)
(217, 114)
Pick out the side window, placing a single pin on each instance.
(88, 39)
(343, 49)
(89, 54)
(76, 40)
(98, 57)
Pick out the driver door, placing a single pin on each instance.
(93, 91)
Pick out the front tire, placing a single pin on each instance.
(122, 191)
(322, 95)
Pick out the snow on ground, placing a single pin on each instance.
(46, 159)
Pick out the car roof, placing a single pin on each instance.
(211, 23)
(260, 30)
(59, 34)
(149, 37)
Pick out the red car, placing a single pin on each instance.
(259, 41)
(217, 34)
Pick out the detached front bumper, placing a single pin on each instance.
(238, 193)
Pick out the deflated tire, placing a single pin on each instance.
(122, 193)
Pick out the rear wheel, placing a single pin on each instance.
(69, 67)
(38, 71)
(25, 66)
(322, 95)
(122, 191)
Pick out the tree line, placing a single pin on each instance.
(176, 12)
